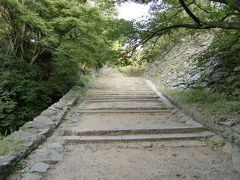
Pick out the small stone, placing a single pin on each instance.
(208, 63)
(196, 77)
(40, 167)
(59, 105)
(20, 135)
(217, 63)
(40, 122)
(122, 146)
(178, 175)
(236, 69)
(47, 155)
(31, 176)
(182, 86)
(14, 177)
(217, 139)
(56, 146)
(7, 160)
(45, 120)
(228, 123)
(147, 145)
(94, 164)
(236, 160)
(209, 90)
(49, 112)
(204, 84)
(230, 148)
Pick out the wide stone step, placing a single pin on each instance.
(123, 105)
(122, 96)
(124, 110)
(114, 132)
(135, 138)
(122, 93)
(122, 100)
(121, 89)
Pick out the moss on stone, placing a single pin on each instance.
(8, 146)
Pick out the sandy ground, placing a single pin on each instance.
(98, 121)
(125, 105)
(133, 162)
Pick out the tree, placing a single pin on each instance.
(169, 15)
(44, 47)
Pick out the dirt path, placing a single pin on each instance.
(125, 130)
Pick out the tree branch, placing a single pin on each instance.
(231, 25)
(189, 12)
(204, 10)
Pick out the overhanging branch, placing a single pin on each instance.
(164, 30)
(189, 12)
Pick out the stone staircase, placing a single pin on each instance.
(130, 109)
(126, 129)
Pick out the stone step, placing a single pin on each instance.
(122, 100)
(114, 132)
(135, 138)
(125, 111)
(130, 89)
(134, 86)
(120, 91)
(122, 105)
(122, 96)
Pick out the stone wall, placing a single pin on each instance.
(180, 70)
(178, 67)
(33, 133)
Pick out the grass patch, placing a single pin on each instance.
(18, 166)
(132, 70)
(85, 81)
(9, 146)
(208, 103)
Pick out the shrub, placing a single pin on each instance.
(24, 94)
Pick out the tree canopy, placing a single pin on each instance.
(169, 15)
(45, 46)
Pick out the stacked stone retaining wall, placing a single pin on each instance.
(35, 132)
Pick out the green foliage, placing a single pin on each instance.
(23, 94)
(209, 103)
(46, 46)
(171, 20)
(158, 47)
(17, 166)
(8, 146)
(77, 31)
(225, 47)
(84, 81)
(131, 70)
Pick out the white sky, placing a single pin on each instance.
(132, 11)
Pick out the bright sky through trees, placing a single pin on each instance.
(133, 11)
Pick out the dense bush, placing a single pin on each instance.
(23, 94)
